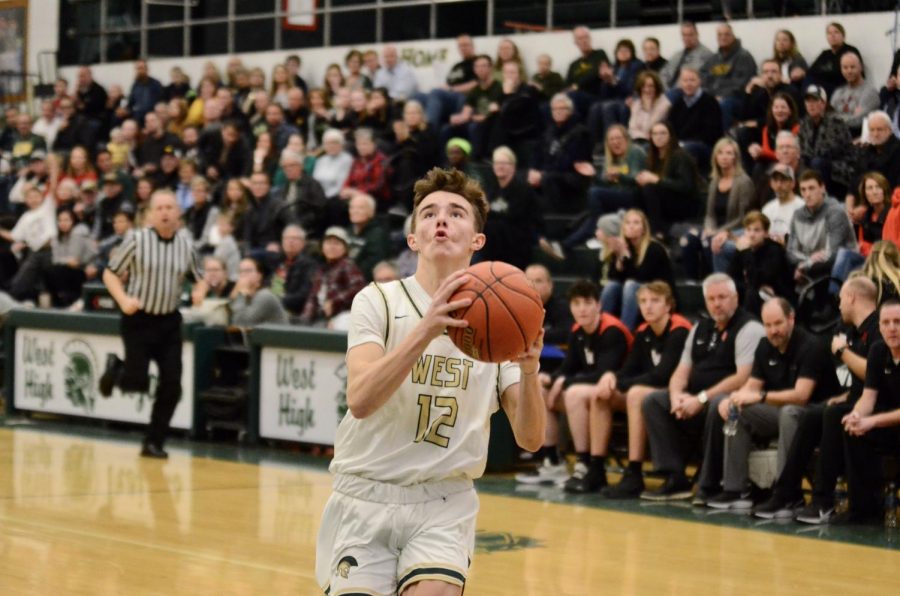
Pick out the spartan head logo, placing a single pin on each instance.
(79, 374)
(341, 397)
(345, 565)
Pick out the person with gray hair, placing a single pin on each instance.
(717, 360)
(293, 270)
(368, 175)
(369, 239)
(881, 153)
(514, 217)
(302, 195)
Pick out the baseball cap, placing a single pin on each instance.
(88, 184)
(783, 170)
(38, 155)
(339, 233)
(111, 178)
(816, 91)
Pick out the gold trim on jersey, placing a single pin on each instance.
(410, 298)
(387, 313)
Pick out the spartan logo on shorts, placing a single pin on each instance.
(345, 565)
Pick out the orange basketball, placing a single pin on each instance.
(505, 316)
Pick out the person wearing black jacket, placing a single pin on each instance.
(302, 196)
(225, 153)
(597, 344)
(658, 344)
(826, 68)
(583, 77)
(761, 267)
(558, 319)
(265, 219)
(696, 118)
(155, 142)
(293, 270)
(787, 374)
(90, 97)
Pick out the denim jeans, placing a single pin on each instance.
(845, 262)
(621, 300)
(601, 200)
(440, 104)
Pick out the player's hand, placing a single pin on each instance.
(130, 305)
(606, 386)
(690, 408)
(437, 317)
(529, 362)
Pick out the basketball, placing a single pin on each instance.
(505, 315)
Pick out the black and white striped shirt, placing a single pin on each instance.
(156, 268)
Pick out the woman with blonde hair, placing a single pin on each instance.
(281, 83)
(633, 258)
(729, 198)
(882, 266)
(508, 51)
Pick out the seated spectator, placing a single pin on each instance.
(730, 196)
(649, 106)
(508, 52)
(787, 375)
(557, 315)
(695, 117)
(514, 217)
(481, 103)
(75, 129)
(228, 153)
(635, 258)
(153, 144)
(265, 218)
(881, 154)
(22, 142)
(889, 98)
(826, 68)
(71, 251)
(790, 61)
(202, 216)
(30, 238)
(395, 75)
(818, 230)
(367, 174)
(758, 95)
(597, 344)
(369, 241)
(302, 196)
(787, 153)
(853, 101)
(547, 81)
(251, 302)
(760, 268)
(582, 80)
(717, 360)
(112, 201)
(187, 171)
(619, 84)
(652, 58)
(79, 167)
(693, 55)
(458, 152)
(780, 210)
(448, 98)
(824, 139)
(669, 187)
(868, 221)
(561, 168)
(317, 121)
(415, 150)
(872, 426)
(385, 272)
(48, 123)
(215, 274)
(726, 73)
(332, 166)
(33, 174)
(658, 344)
(882, 266)
(292, 63)
(518, 121)
(782, 116)
(293, 270)
(166, 175)
(123, 223)
(334, 285)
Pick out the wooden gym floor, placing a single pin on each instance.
(82, 514)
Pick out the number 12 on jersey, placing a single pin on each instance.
(430, 431)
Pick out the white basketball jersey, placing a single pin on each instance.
(437, 424)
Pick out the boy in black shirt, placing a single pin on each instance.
(761, 266)
(597, 343)
(874, 424)
(657, 348)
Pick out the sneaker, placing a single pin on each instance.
(778, 508)
(108, 379)
(552, 248)
(154, 451)
(815, 514)
(702, 497)
(629, 487)
(585, 481)
(675, 488)
(731, 500)
(546, 473)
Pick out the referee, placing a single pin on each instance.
(156, 260)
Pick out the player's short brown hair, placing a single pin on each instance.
(455, 182)
(660, 288)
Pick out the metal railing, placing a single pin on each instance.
(543, 16)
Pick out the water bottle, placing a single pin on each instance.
(731, 425)
(890, 506)
(841, 501)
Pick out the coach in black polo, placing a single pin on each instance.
(156, 259)
(873, 427)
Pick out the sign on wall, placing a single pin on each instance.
(302, 394)
(301, 15)
(58, 372)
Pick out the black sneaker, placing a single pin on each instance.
(816, 514)
(154, 451)
(629, 487)
(585, 481)
(675, 488)
(702, 497)
(777, 507)
(730, 499)
(114, 366)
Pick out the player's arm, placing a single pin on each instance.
(523, 403)
(679, 381)
(373, 375)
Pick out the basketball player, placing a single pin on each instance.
(401, 519)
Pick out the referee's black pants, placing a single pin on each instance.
(153, 337)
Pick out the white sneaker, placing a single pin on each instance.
(578, 473)
(546, 473)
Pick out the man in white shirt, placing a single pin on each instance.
(780, 210)
(396, 75)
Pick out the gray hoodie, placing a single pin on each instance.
(827, 229)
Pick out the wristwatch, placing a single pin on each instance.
(840, 352)
(702, 398)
